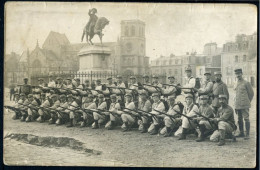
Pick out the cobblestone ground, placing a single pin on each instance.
(126, 149)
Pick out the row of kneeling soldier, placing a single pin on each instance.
(151, 107)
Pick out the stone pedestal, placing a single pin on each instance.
(94, 58)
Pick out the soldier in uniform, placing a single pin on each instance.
(243, 98)
(146, 79)
(52, 82)
(18, 105)
(71, 111)
(157, 120)
(114, 118)
(88, 118)
(64, 114)
(171, 124)
(207, 111)
(146, 106)
(87, 84)
(56, 104)
(25, 88)
(191, 82)
(100, 118)
(23, 107)
(170, 90)
(189, 110)
(207, 86)
(32, 113)
(47, 102)
(128, 119)
(155, 83)
(219, 87)
(225, 120)
(69, 83)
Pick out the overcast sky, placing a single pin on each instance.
(170, 28)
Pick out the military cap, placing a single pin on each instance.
(132, 77)
(128, 94)
(207, 72)
(171, 97)
(86, 81)
(101, 96)
(155, 94)
(143, 92)
(238, 70)
(217, 73)
(62, 96)
(43, 94)
(16, 94)
(145, 76)
(109, 78)
(188, 68)
(171, 77)
(98, 80)
(30, 95)
(70, 95)
(58, 78)
(52, 91)
(188, 95)
(40, 79)
(222, 96)
(90, 96)
(22, 94)
(68, 79)
(54, 95)
(204, 97)
(118, 76)
(77, 79)
(25, 78)
(155, 76)
(113, 96)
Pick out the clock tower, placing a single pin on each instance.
(132, 42)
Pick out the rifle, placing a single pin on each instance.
(129, 113)
(114, 114)
(13, 108)
(171, 116)
(139, 113)
(208, 119)
(149, 113)
(189, 119)
(156, 88)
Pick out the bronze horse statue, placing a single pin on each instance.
(96, 29)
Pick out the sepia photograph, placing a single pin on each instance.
(116, 84)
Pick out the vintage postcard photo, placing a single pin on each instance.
(130, 84)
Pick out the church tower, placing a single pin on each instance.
(132, 42)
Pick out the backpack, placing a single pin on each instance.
(181, 106)
(166, 105)
(197, 83)
(178, 90)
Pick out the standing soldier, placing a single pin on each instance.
(146, 106)
(114, 108)
(170, 90)
(157, 119)
(243, 98)
(191, 82)
(52, 82)
(225, 121)
(207, 86)
(25, 88)
(219, 87)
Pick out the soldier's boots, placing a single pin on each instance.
(145, 127)
(222, 137)
(51, 121)
(40, 119)
(83, 124)
(111, 125)
(247, 123)
(126, 127)
(15, 116)
(95, 125)
(168, 132)
(23, 118)
(28, 119)
(241, 129)
(202, 135)
(155, 130)
(183, 134)
(58, 122)
(70, 123)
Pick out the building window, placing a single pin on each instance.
(170, 62)
(175, 71)
(157, 63)
(164, 63)
(133, 31)
(236, 59)
(176, 61)
(170, 71)
(244, 57)
(140, 31)
(126, 30)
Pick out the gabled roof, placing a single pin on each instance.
(60, 38)
(47, 53)
(23, 58)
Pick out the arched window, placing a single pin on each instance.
(236, 59)
(133, 31)
(126, 30)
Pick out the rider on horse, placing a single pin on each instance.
(92, 19)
